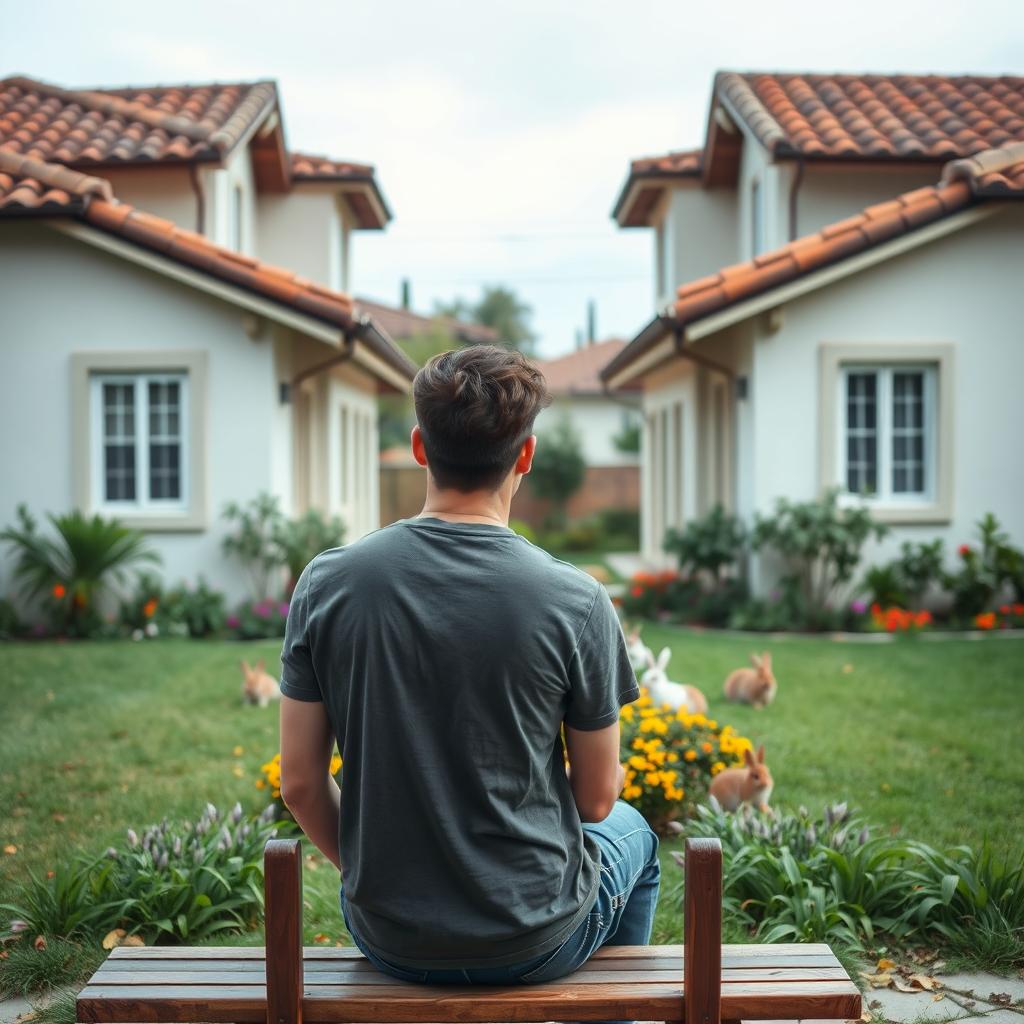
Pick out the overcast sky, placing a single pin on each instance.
(501, 132)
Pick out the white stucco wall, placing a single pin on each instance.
(60, 296)
(305, 231)
(163, 191)
(218, 187)
(962, 290)
(700, 237)
(597, 421)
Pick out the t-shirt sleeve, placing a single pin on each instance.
(298, 678)
(601, 678)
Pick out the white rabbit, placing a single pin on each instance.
(638, 651)
(663, 691)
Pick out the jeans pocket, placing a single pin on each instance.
(569, 955)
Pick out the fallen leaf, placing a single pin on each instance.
(902, 986)
(886, 965)
(40, 943)
(1000, 998)
(237, 771)
(926, 982)
(10, 849)
(58, 817)
(4, 954)
(866, 1017)
(50, 695)
(938, 997)
(880, 980)
(113, 939)
(134, 940)
(847, 669)
(320, 937)
(50, 874)
(238, 751)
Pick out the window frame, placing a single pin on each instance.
(188, 514)
(144, 503)
(936, 506)
(884, 373)
(758, 238)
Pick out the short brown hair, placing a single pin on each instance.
(475, 407)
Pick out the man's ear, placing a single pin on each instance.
(419, 453)
(525, 460)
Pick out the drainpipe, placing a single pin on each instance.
(197, 187)
(793, 189)
(344, 356)
(685, 353)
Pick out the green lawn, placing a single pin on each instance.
(924, 738)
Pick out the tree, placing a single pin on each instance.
(558, 467)
(500, 308)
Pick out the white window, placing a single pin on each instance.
(887, 435)
(140, 443)
(756, 219)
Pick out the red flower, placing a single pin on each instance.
(637, 591)
(149, 608)
(964, 550)
(59, 590)
(987, 620)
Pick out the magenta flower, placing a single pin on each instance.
(234, 622)
(283, 609)
(858, 607)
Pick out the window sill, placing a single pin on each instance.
(906, 515)
(160, 523)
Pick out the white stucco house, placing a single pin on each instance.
(838, 303)
(156, 360)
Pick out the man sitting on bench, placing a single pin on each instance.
(446, 654)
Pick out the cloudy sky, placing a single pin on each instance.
(501, 131)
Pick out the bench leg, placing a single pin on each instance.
(702, 932)
(282, 879)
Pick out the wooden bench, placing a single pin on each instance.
(700, 982)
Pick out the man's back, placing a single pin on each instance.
(448, 655)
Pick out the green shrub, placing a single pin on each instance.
(72, 571)
(301, 540)
(10, 621)
(197, 613)
(259, 620)
(710, 547)
(56, 962)
(182, 883)
(621, 528)
(819, 542)
(139, 612)
(558, 467)
(585, 535)
(904, 582)
(985, 571)
(794, 877)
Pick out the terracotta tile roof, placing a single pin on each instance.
(994, 173)
(402, 324)
(876, 117)
(633, 205)
(578, 373)
(997, 173)
(59, 190)
(306, 167)
(31, 186)
(128, 126)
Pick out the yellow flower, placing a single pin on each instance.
(652, 778)
(690, 755)
(638, 762)
(238, 751)
(335, 765)
(260, 784)
(627, 713)
(717, 767)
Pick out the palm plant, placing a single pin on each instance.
(86, 558)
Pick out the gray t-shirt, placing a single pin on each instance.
(448, 655)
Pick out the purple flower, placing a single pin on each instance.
(261, 610)
(283, 609)
(858, 607)
(234, 622)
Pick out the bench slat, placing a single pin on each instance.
(401, 1003)
(370, 976)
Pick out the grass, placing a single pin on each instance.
(922, 738)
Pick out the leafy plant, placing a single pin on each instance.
(523, 529)
(139, 612)
(627, 440)
(985, 571)
(904, 582)
(73, 570)
(254, 540)
(819, 542)
(259, 620)
(558, 467)
(200, 612)
(172, 884)
(34, 966)
(708, 547)
(10, 622)
(301, 540)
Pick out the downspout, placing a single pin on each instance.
(348, 347)
(683, 353)
(793, 189)
(197, 188)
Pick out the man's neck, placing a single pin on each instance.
(491, 507)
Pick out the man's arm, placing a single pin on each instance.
(307, 788)
(595, 774)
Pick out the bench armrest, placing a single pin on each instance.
(702, 931)
(282, 887)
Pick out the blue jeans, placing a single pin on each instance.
(623, 914)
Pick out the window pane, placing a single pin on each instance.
(861, 433)
(119, 441)
(164, 440)
(908, 448)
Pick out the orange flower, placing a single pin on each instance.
(923, 618)
(706, 747)
(149, 607)
(59, 590)
(987, 620)
(637, 591)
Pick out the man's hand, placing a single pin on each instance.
(307, 788)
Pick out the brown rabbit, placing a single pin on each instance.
(750, 785)
(755, 685)
(258, 685)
